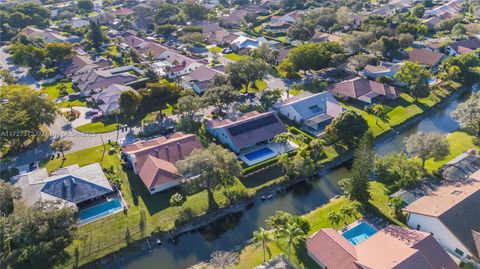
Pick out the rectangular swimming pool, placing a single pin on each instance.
(258, 154)
(359, 233)
(100, 210)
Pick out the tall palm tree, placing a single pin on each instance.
(115, 112)
(377, 110)
(346, 211)
(334, 218)
(262, 236)
(292, 232)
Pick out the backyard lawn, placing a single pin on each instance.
(147, 213)
(252, 255)
(259, 86)
(460, 142)
(400, 110)
(232, 56)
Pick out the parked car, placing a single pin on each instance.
(33, 166)
(74, 96)
(226, 51)
(97, 118)
(91, 112)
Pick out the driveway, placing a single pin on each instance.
(83, 118)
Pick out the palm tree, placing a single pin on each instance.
(377, 110)
(115, 112)
(317, 148)
(347, 212)
(357, 208)
(262, 236)
(292, 232)
(334, 218)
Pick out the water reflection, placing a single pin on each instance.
(231, 231)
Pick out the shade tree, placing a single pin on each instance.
(427, 145)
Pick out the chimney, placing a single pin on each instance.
(179, 147)
(157, 153)
(168, 153)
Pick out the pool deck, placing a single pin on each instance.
(275, 147)
(121, 209)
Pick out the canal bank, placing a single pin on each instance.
(236, 225)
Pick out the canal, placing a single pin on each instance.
(232, 231)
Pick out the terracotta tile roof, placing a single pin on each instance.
(332, 249)
(393, 247)
(424, 57)
(358, 87)
(155, 158)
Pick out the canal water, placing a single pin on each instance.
(232, 231)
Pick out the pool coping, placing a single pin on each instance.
(355, 224)
(124, 206)
(275, 147)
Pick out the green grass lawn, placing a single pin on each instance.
(252, 255)
(98, 127)
(232, 56)
(147, 213)
(259, 86)
(460, 142)
(215, 48)
(151, 116)
(53, 92)
(401, 109)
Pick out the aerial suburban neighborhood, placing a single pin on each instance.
(240, 134)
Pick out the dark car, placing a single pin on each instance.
(97, 118)
(74, 96)
(32, 167)
(91, 112)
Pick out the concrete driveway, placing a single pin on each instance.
(83, 118)
(20, 73)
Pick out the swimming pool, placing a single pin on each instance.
(359, 233)
(258, 154)
(100, 210)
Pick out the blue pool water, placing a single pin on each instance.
(258, 154)
(100, 210)
(359, 233)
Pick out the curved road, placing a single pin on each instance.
(61, 129)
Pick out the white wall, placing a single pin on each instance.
(165, 186)
(441, 233)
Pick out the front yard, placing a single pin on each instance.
(53, 91)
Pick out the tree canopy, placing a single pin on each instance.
(245, 71)
(349, 126)
(427, 145)
(22, 112)
(313, 56)
(416, 77)
(468, 113)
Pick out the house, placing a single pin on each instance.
(463, 47)
(433, 21)
(363, 89)
(108, 99)
(220, 38)
(234, 19)
(81, 64)
(273, 44)
(78, 187)
(76, 23)
(325, 37)
(245, 131)
(384, 69)
(461, 167)
(290, 17)
(210, 27)
(124, 11)
(276, 27)
(450, 214)
(282, 54)
(453, 7)
(48, 35)
(244, 42)
(392, 247)
(201, 78)
(154, 160)
(312, 111)
(173, 64)
(96, 79)
(425, 57)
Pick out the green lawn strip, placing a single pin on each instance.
(259, 86)
(232, 56)
(78, 102)
(151, 116)
(460, 142)
(98, 127)
(215, 48)
(252, 255)
(377, 129)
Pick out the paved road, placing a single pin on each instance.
(61, 129)
(21, 73)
